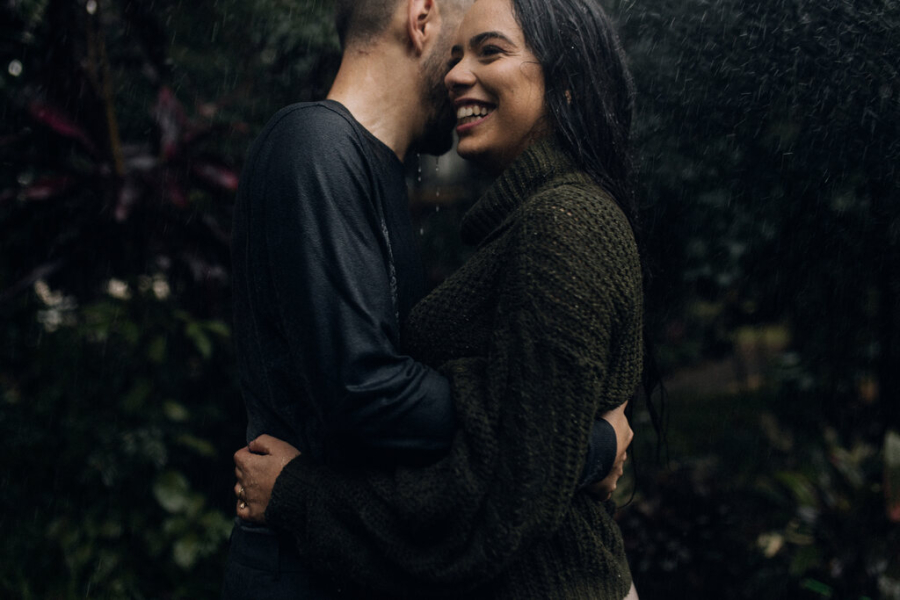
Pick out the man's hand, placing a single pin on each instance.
(616, 417)
(256, 468)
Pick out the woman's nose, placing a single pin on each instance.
(458, 78)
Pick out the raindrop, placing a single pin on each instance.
(15, 68)
(91, 6)
(437, 189)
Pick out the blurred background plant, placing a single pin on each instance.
(769, 144)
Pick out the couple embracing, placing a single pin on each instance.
(463, 443)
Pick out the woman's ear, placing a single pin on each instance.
(422, 23)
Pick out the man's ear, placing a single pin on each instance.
(422, 22)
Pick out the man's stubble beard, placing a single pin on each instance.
(438, 135)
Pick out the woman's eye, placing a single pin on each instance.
(490, 50)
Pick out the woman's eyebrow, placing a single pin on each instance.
(480, 38)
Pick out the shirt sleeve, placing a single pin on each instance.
(330, 270)
(601, 453)
(525, 413)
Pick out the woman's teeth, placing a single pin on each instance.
(471, 113)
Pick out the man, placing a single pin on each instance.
(325, 270)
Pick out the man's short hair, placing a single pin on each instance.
(360, 21)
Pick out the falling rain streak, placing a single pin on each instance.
(767, 140)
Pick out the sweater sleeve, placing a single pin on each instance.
(524, 414)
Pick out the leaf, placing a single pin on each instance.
(128, 196)
(137, 396)
(61, 123)
(170, 119)
(200, 446)
(176, 193)
(803, 491)
(156, 350)
(195, 332)
(172, 491)
(806, 559)
(817, 587)
(48, 187)
(216, 175)
(186, 551)
(892, 475)
(218, 328)
(175, 412)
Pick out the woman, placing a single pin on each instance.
(538, 333)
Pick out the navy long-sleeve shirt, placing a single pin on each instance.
(325, 268)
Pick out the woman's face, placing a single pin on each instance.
(496, 85)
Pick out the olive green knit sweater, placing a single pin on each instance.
(539, 332)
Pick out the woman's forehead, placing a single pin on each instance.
(489, 15)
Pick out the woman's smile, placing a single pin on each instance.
(471, 114)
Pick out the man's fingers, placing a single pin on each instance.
(262, 445)
(241, 456)
(245, 511)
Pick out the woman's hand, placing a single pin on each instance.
(256, 468)
(603, 489)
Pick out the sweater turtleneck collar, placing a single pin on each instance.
(539, 163)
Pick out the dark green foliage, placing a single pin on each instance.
(758, 503)
(124, 126)
(770, 135)
(769, 138)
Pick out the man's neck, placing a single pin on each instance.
(380, 88)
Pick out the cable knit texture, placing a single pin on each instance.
(539, 332)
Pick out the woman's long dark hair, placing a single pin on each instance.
(589, 95)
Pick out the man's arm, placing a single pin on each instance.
(327, 260)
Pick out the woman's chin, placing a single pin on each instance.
(466, 152)
(477, 156)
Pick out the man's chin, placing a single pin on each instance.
(436, 143)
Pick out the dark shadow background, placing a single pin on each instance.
(768, 137)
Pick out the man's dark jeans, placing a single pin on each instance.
(263, 565)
